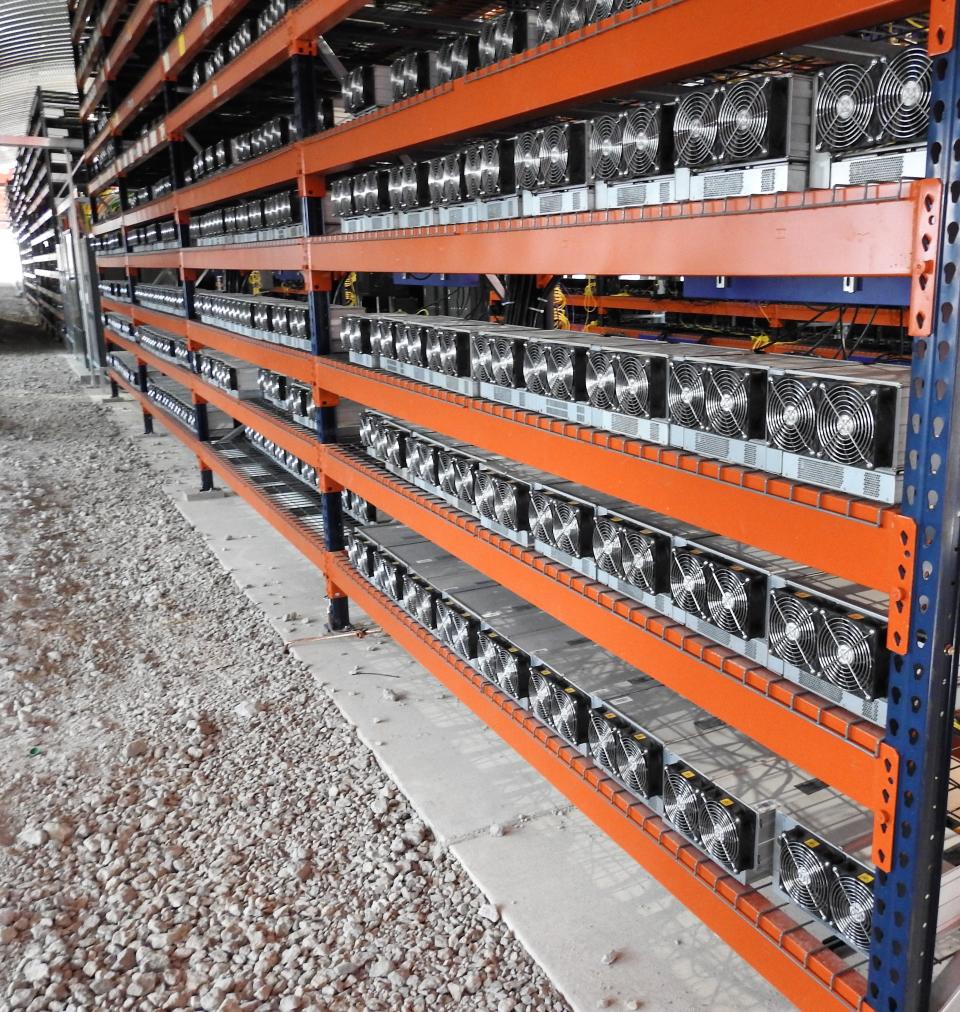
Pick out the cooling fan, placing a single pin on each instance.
(526, 159)
(536, 368)
(540, 516)
(434, 349)
(491, 182)
(727, 401)
(640, 559)
(791, 415)
(688, 580)
(680, 800)
(608, 546)
(447, 464)
(804, 874)
(695, 129)
(460, 57)
(509, 502)
(601, 380)
(597, 10)
(561, 372)
(473, 171)
(686, 395)
(486, 493)
(548, 20)
(488, 43)
(729, 600)
(847, 653)
(743, 120)
(456, 631)
(641, 140)
(481, 358)
(632, 385)
(903, 96)
(541, 696)
(567, 713)
(793, 630)
(573, 15)
(847, 423)
(554, 168)
(603, 736)
(505, 35)
(504, 361)
(851, 907)
(449, 353)
(568, 527)
(451, 189)
(639, 762)
(464, 475)
(845, 107)
(723, 832)
(605, 151)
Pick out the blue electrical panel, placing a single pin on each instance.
(826, 291)
(437, 280)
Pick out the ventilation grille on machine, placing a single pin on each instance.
(844, 648)
(824, 882)
(849, 423)
(695, 129)
(883, 103)
(558, 705)
(561, 523)
(627, 145)
(633, 757)
(631, 553)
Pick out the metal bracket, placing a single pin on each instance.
(942, 18)
(883, 817)
(497, 285)
(330, 59)
(928, 197)
(898, 616)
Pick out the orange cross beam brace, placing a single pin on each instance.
(831, 744)
(860, 541)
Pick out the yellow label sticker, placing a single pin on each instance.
(181, 44)
(688, 774)
(726, 802)
(865, 877)
(812, 843)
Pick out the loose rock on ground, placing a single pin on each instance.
(168, 834)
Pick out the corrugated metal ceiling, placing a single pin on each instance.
(35, 52)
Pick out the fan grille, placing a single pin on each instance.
(851, 909)
(541, 698)
(633, 764)
(573, 15)
(804, 877)
(641, 140)
(639, 560)
(566, 527)
(473, 170)
(793, 630)
(548, 20)
(744, 118)
(845, 653)
(607, 546)
(685, 394)
(728, 600)
(727, 401)
(554, 155)
(535, 366)
(507, 504)
(604, 741)
(903, 95)
(845, 104)
(632, 380)
(847, 424)
(601, 380)
(680, 802)
(481, 357)
(504, 371)
(526, 159)
(695, 128)
(791, 415)
(688, 581)
(606, 147)
(540, 516)
(721, 833)
(560, 372)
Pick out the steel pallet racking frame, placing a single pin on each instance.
(890, 231)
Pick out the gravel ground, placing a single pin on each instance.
(186, 821)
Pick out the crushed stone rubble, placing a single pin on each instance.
(186, 820)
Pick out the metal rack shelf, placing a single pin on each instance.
(904, 230)
(764, 934)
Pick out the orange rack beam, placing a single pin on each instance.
(763, 933)
(290, 436)
(828, 742)
(871, 230)
(861, 541)
(290, 362)
(284, 255)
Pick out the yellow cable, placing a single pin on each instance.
(349, 289)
